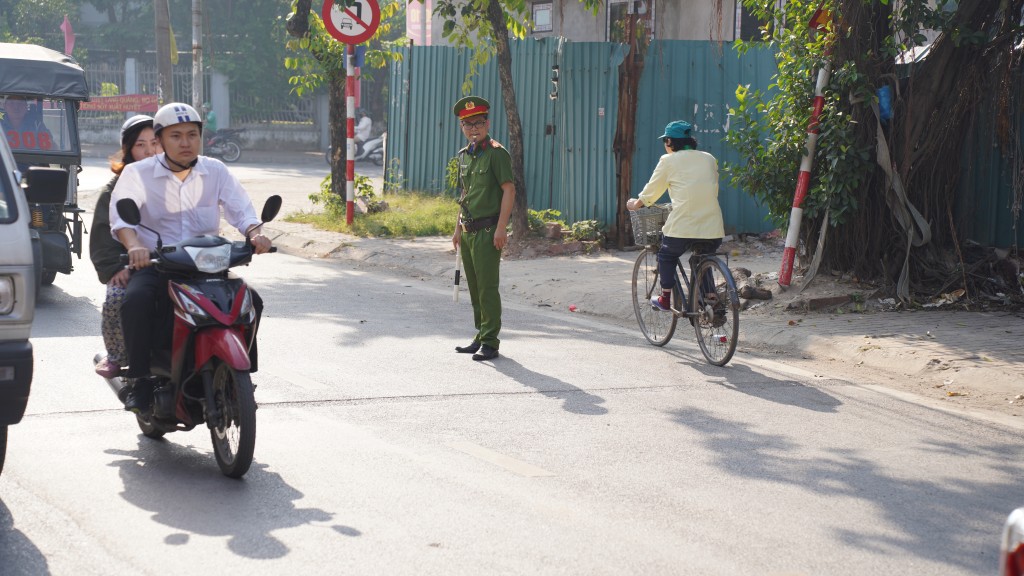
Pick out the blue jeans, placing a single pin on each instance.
(673, 248)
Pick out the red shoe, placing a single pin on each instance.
(107, 369)
(661, 303)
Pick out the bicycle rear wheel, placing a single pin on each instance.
(716, 309)
(657, 325)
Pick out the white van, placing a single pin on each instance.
(17, 297)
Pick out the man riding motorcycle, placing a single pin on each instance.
(180, 194)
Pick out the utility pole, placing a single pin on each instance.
(197, 54)
(165, 79)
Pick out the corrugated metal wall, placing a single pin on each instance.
(568, 156)
(696, 82)
(986, 195)
(566, 140)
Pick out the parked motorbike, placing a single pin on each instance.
(225, 144)
(204, 377)
(372, 150)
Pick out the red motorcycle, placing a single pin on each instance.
(204, 377)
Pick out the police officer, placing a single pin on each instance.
(485, 171)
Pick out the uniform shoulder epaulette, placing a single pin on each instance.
(496, 144)
(464, 150)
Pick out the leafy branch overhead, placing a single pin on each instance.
(912, 78)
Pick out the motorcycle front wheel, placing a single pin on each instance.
(232, 151)
(3, 446)
(149, 430)
(234, 433)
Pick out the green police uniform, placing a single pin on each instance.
(483, 168)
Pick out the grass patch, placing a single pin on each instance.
(408, 214)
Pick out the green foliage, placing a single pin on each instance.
(334, 204)
(318, 55)
(407, 214)
(451, 178)
(35, 21)
(466, 26)
(586, 230)
(393, 178)
(536, 219)
(109, 89)
(769, 129)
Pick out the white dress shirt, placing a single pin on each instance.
(178, 209)
(363, 129)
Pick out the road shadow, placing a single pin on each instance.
(18, 555)
(937, 518)
(741, 378)
(184, 490)
(573, 399)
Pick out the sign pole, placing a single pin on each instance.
(350, 131)
(352, 23)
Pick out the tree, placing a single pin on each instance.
(34, 21)
(484, 26)
(867, 227)
(327, 65)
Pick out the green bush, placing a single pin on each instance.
(538, 218)
(586, 230)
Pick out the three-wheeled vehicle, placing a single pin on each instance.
(40, 92)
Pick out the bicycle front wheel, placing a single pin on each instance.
(716, 311)
(657, 325)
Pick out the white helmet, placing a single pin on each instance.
(133, 122)
(175, 113)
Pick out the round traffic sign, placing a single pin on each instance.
(351, 24)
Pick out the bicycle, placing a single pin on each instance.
(714, 312)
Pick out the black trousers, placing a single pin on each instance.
(147, 320)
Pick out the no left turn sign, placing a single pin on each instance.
(353, 24)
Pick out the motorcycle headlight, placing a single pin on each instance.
(210, 260)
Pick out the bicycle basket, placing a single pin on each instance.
(647, 223)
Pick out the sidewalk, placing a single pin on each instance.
(963, 360)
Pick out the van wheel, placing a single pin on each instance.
(48, 277)
(37, 262)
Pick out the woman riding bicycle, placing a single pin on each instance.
(691, 178)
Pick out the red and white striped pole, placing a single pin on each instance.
(350, 132)
(803, 181)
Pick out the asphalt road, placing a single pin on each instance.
(580, 451)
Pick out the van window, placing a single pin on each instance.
(7, 213)
(36, 124)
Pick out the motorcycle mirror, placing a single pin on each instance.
(128, 210)
(270, 209)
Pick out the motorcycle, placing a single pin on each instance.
(204, 377)
(372, 150)
(225, 144)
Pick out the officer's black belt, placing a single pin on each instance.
(477, 224)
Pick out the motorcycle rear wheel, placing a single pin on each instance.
(234, 435)
(232, 151)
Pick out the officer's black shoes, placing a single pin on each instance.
(486, 353)
(471, 349)
(141, 396)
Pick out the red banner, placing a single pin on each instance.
(126, 103)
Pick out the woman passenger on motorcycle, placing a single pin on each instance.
(180, 195)
(137, 143)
